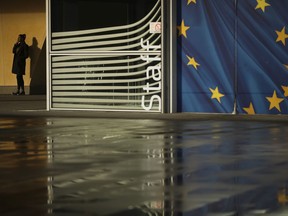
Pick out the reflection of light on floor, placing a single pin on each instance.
(282, 196)
(50, 194)
(160, 169)
(259, 211)
(50, 178)
(281, 212)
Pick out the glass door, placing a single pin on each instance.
(105, 55)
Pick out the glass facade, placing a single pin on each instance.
(105, 55)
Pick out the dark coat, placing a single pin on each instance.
(20, 51)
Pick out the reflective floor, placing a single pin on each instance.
(82, 166)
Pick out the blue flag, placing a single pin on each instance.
(262, 57)
(232, 56)
(206, 32)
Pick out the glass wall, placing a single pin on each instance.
(105, 55)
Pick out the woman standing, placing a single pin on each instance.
(20, 50)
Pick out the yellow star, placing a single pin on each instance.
(262, 4)
(286, 66)
(285, 89)
(192, 62)
(182, 29)
(249, 110)
(281, 36)
(216, 94)
(274, 101)
(189, 1)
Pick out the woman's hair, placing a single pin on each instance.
(23, 36)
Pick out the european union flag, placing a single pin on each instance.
(232, 56)
(206, 33)
(262, 57)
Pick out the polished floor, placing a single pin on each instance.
(104, 166)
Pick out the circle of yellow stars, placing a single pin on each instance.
(281, 37)
(274, 100)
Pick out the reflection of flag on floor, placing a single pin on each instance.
(225, 59)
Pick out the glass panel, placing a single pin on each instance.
(74, 15)
(122, 82)
(106, 55)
